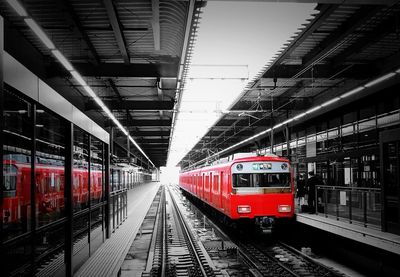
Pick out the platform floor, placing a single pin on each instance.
(107, 260)
(385, 241)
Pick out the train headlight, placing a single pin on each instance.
(244, 209)
(284, 208)
(284, 166)
(239, 167)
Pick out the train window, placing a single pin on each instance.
(261, 180)
(9, 177)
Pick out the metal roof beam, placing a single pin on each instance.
(322, 71)
(129, 119)
(132, 105)
(139, 134)
(325, 12)
(116, 26)
(338, 36)
(144, 122)
(155, 23)
(77, 28)
(161, 70)
(386, 27)
(339, 2)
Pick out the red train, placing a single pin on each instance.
(49, 189)
(245, 185)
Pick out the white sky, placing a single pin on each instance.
(235, 40)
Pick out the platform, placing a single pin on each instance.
(107, 260)
(382, 240)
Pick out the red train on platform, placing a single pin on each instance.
(244, 186)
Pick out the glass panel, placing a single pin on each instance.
(80, 240)
(49, 244)
(261, 180)
(96, 171)
(97, 229)
(17, 258)
(17, 132)
(80, 188)
(49, 172)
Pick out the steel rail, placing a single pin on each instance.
(188, 236)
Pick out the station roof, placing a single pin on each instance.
(134, 55)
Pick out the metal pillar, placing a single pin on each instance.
(1, 134)
(287, 130)
(69, 163)
(107, 188)
(33, 186)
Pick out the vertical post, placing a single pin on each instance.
(112, 141)
(107, 188)
(365, 208)
(350, 208)
(1, 135)
(337, 203)
(326, 202)
(272, 124)
(33, 185)
(287, 141)
(128, 148)
(90, 189)
(69, 163)
(382, 163)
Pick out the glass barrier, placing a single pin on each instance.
(351, 204)
(118, 208)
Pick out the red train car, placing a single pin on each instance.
(244, 185)
(49, 189)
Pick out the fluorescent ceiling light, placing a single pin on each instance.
(299, 116)
(79, 79)
(351, 92)
(380, 79)
(18, 7)
(316, 108)
(39, 32)
(333, 100)
(60, 57)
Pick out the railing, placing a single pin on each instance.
(118, 208)
(351, 204)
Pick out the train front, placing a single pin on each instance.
(262, 190)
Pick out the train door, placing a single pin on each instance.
(390, 176)
(196, 183)
(209, 191)
(220, 189)
(203, 180)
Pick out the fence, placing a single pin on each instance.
(352, 204)
(118, 207)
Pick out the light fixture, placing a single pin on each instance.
(299, 116)
(316, 108)
(325, 104)
(18, 7)
(68, 66)
(79, 79)
(380, 79)
(351, 92)
(60, 57)
(40, 33)
(330, 102)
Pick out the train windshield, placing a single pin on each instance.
(261, 180)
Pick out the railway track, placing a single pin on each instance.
(265, 256)
(173, 250)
